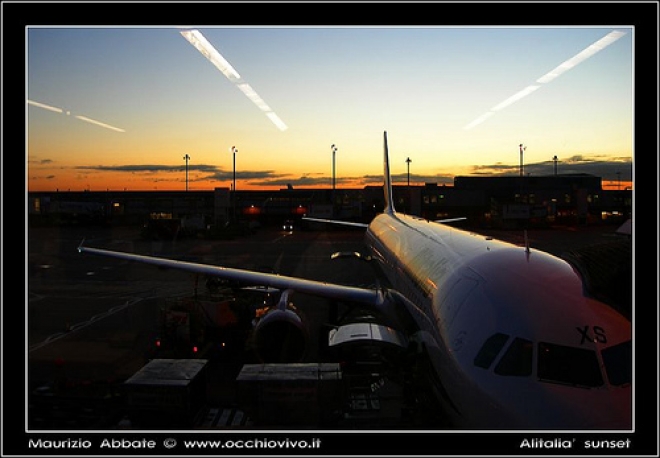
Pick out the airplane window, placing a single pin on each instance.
(490, 349)
(574, 366)
(517, 360)
(618, 363)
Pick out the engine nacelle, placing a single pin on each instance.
(280, 336)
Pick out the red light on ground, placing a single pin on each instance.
(251, 210)
(194, 349)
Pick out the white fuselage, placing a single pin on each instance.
(531, 306)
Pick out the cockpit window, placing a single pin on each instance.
(570, 365)
(490, 349)
(517, 360)
(618, 363)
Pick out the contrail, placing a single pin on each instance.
(552, 74)
(198, 40)
(68, 113)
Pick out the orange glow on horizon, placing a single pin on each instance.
(137, 183)
(106, 183)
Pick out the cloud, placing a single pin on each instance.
(606, 169)
(155, 168)
(303, 181)
(205, 172)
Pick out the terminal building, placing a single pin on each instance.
(494, 201)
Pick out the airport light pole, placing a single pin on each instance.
(554, 159)
(522, 149)
(334, 151)
(408, 161)
(234, 150)
(186, 157)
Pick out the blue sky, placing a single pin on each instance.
(155, 98)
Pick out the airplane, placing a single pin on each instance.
(512, 338)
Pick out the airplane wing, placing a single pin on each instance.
(365, 296)
(364, 225)
(336, 221)
(450, 220)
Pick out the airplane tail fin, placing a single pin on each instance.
(387, 187)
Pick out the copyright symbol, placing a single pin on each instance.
(169, 443)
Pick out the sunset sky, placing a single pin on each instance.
(120, 107)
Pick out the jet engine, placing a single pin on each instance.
(280, 334)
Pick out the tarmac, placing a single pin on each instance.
(92, 321)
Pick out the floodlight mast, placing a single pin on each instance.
(234, 150)
(333, 147)
(186, 157)
(408, 161)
